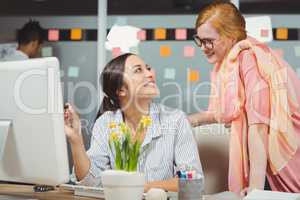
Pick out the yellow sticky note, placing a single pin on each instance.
(193, 75)
(282, 33)
(160, 34)
(165, 51)
(76, 34)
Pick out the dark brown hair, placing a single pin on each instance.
(111, 80)
(31, 31)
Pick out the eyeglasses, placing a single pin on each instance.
(207, 43)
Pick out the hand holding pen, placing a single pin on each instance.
(72, 123)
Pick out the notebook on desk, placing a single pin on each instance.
(98, 192)
(271, 195)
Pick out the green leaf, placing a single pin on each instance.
(118, 159)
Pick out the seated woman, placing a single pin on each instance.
(129, 87)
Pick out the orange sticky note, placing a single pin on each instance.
(282, 33)
(160, 34)
(180, 34)
(76, 34)
(165, 51)
(53, 35)
(193, 75)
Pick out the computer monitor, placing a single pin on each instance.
(33, 146)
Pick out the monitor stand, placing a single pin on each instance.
(5, 128)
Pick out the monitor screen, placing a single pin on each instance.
(33, 146)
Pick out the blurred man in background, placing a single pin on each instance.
(30, 39)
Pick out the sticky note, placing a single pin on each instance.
(259, 27)
(76, 34)
(90, 34)
(73, 72)
(116, 52)
(165, 51)
(189, 51)
(264, 33)
(53, 35)
(46, 52)
(170, 73)
(279, 52)
(64, 35)
(282, 33)
(160, 34)
(193, 75)
(180, 34)
(141, 35)
(297, 51)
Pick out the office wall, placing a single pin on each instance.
(81, 91)
(178, 92)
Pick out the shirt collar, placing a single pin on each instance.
(154, 130)
(22, 54)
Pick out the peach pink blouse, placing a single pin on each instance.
(257, 108)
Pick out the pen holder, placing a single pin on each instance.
(190, 189)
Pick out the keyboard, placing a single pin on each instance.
(98, 192)
(86, 191)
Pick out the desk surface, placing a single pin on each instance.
(26, 191)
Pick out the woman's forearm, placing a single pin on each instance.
(80, 159)
(201, 118)
(168, 185)
(257, 141)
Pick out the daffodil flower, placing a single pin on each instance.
(146, 120)
(112, 125)
(127, 146)
(123, 127)
(113, 136)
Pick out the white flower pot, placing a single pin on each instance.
(122, 185)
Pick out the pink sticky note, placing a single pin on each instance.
(189, 51)
(264, 32)
(116, 52)
(53, 35)
(180, 34)
(141, 35)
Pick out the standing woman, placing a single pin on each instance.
(256, 91)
